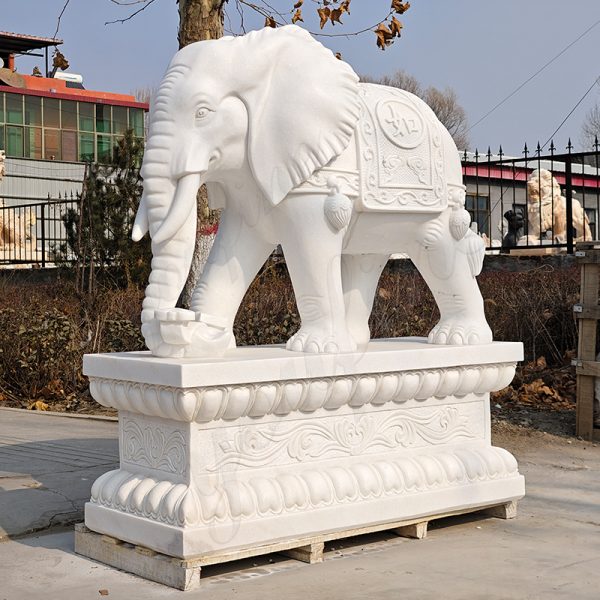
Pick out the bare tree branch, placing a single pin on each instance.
(352, 33)
(261, 11)
(241, 13)
(128, 3)
(60, 16)
(265, 9)
(590, 130)
(267, 14)
(276, 12)
(146, 4)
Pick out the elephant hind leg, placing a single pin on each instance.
(449, 268)
(360, 276)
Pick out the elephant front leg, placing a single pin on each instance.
(312, 250)
(238, 253)
(449, 268)
(207, 329)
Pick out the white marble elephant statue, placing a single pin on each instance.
(297, 152)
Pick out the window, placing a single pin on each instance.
(136, 121)
(68, 114)
(52, 113)
(86, 147)
(104, 148)
(479, 209)
(33, 110)
(69, 145)
(86, 116)
(54, 129)
(103, 117)
(33, 142)
(14, 141)
(119, 119)
(52, 144)
(14, 108)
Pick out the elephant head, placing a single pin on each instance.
(274, 102)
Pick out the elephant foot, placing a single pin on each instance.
(461, 332)
(179, 333)
(315, 340)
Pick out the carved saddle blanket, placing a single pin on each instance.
(395, 162)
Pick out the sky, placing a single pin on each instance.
(482, 49)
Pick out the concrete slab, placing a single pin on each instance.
(551, 550)
(48, 464)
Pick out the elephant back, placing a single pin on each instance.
(401, 151)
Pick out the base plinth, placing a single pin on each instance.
(266, 447)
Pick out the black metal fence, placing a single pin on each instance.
(534, 203)
(539, 202)
(34, 234)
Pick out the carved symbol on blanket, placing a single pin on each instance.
(417, 166)
(392, 164)
(401, 123)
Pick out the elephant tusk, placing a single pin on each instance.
(181, 207)
(140, 225)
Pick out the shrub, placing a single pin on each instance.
(46, 328)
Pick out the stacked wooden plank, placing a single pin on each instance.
(588, 314)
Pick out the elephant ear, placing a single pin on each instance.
(302, 104)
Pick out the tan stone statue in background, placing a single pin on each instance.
(17, 232)
(17, 227)
(547, 210)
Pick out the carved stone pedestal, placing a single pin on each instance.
(265, 446)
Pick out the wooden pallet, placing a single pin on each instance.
(588, 313)
(185, 574)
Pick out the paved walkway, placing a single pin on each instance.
(47, 467)
(552, 550)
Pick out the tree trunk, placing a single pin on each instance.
(200, 20)
(207, 222)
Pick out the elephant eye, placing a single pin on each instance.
(203, 112)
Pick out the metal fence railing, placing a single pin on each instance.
(34, 234)
(545, 201)
(537, 201)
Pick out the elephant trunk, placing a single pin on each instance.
(171, 261)
(173, 236)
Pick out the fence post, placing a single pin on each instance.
(569, 198)
(43, 231)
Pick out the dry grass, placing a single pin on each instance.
(46, 328)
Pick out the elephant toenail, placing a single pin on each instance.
(456, 339)
(295, 346)
(312, 347)
(473, 339)
(331, 348)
